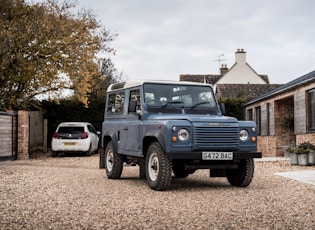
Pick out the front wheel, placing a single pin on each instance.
(113, 162)
(158, 168)
(242, 176)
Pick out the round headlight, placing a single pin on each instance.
(243, 135)
(183, 134)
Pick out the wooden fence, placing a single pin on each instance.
(8, 135)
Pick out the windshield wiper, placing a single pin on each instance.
(200, 103)
(172, 102)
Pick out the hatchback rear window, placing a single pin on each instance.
(72, 130)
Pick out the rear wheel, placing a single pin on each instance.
(242, 176)
(158, 168)
(113, 162)
(89, 152)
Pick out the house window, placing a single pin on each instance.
(258, 119)
(268, 118)
(311, 109)
(250, 114)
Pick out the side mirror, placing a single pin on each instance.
(132, 107)
(222, 108)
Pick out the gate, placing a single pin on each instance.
(8, 135)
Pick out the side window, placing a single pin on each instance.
(116, 103)
(91, 129)
(135, 96)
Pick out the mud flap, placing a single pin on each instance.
(102, 158)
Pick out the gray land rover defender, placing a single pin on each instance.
(174, 126)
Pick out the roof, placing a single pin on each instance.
(135, 83)
(245, 90)
(211, 78)
(208, 78)
(286, 87)
(73, 123)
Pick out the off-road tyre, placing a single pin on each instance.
(242, 176)
(158, 168)
(113, 162)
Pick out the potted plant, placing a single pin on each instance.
(311, 153)
(293, 155)
(302, 151)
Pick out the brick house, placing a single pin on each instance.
(285, 114)
(241, 78)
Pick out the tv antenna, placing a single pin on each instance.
(219, 59)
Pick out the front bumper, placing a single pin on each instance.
(198, 155)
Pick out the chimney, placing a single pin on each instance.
(223, 69)
(240, 56)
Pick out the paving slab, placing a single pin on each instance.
(305, 176)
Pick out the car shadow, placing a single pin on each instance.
(184, 184)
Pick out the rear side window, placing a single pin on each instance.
(71, 130)
(116, 103)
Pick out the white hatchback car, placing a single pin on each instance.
(75, 137)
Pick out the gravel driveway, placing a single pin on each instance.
(73, 193)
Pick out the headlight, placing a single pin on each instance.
(183, 134)
(243, 135)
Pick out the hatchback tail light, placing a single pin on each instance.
(56, 135)
(84, 135)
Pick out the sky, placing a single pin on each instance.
(163, 39)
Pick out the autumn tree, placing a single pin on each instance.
(109, 75)
(46, 47)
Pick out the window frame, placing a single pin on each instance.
(311, 110)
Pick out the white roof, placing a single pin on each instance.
(74, 123)
(134, 83)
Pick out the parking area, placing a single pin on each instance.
(71, 192)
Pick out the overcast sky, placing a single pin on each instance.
(165, 38)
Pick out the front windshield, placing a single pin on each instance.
(178, 96)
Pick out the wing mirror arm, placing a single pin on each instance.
(222, 108)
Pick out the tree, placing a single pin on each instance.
(45, 47)
(109, 75)
(234, 106)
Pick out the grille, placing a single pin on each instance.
(216, 138)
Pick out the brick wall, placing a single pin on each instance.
(308, 137)
(23, 135)
(268, 146)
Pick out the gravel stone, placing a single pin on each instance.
(71, 192)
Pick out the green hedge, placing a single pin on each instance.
(73, 110)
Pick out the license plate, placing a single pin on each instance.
(69, 143)
(217, 156)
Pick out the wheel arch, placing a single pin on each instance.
(151, 137)
(106, 139)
